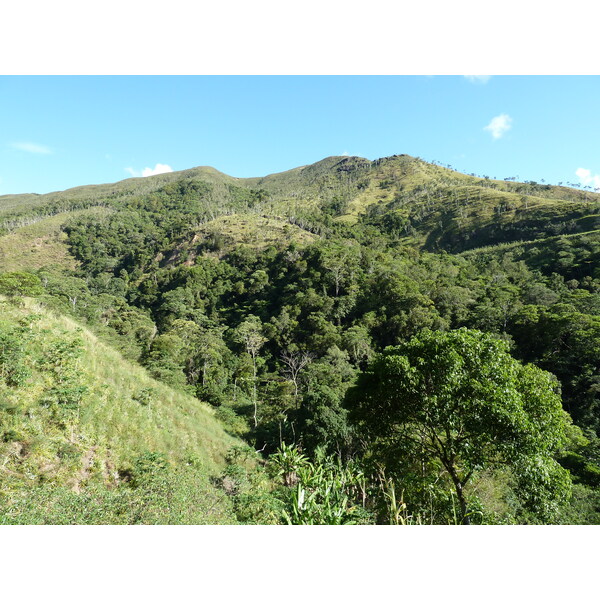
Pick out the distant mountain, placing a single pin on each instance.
(424, 204)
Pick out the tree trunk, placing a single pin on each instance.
(458, 486)
(295, 392)
(254, 393)
(464, 518)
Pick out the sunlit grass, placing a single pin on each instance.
(111, 427)
(41, 244)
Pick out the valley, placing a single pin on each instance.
(326, 345)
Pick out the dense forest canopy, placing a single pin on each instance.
(381, 341)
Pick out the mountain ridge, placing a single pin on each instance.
(329, 161)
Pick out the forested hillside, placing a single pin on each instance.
(351, 341)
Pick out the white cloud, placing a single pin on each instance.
(158, 169)
(148, 172)
(478, 78)
(32, 148)
(345, 153)
(499, 125)
(586, 178)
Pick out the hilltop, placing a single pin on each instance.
(424, 204)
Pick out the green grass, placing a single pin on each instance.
(255, 231)
(223, 234)
(41, 244)
(121, 414)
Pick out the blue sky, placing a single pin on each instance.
(57, 132)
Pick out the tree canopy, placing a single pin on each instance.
(459, 400)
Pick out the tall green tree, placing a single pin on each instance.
(459, 400)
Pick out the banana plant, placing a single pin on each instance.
(289, 460)
(325, 492)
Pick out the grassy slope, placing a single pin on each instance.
(41, 244)
(571, 255)
(110, 428)
(257, 231)
(240, 229)
(444, 205)
(524, 246)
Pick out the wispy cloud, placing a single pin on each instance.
(482, 79)
(345, 153)
(586, 178)
(148, 171)
(31, 148)
(499, 125)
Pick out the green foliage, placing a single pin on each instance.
(323, 492)
(459, 398)
(250, 489)
(14, 370)
(180, 496)
(20, 284)
(289, 460)
(76, 449)
(144, 396)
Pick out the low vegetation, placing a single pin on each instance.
(83, 432)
